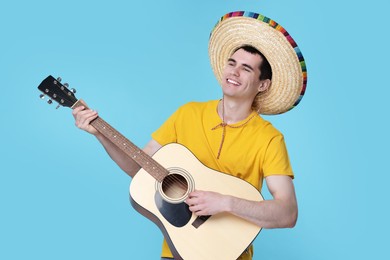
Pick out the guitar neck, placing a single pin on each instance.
(138, 155)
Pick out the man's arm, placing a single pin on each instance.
(280, 212)
(83, 118)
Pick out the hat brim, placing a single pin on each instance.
(289, 76)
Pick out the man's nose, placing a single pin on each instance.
(235, 71)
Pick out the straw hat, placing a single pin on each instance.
(289, 75)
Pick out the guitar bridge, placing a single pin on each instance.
(200, 220)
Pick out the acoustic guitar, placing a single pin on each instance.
(161, 186)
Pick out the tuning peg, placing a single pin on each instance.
(50, 101)
(59, 79)
(66, 85)
(73, 90)
(42, 96)
(58, 106)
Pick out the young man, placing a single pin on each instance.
(260, 70)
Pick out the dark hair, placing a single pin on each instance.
(265, 67)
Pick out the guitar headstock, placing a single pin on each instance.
(53, 88)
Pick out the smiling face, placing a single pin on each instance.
(241, 76)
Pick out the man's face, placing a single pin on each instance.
(241, 75)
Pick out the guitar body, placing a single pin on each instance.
(221, 236)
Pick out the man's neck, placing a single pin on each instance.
(232, 111)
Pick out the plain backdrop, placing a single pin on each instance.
(135, 62)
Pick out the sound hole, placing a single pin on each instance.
(171, 194)
(175, 186)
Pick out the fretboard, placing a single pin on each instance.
(138, 155)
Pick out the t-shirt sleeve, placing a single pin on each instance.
(167, 132)
(276, 160)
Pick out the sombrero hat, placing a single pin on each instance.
(289, 76)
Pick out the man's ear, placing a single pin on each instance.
(264, 85)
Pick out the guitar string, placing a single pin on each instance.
(110, 132)
(183, 186)
(178, 188)
(173, 178)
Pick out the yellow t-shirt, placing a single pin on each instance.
(251, 152)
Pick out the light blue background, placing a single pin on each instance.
(135, 62)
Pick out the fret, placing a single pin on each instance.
(151, 166)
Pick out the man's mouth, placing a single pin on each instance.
(233, 82)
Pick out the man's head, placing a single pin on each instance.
(246, 74)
